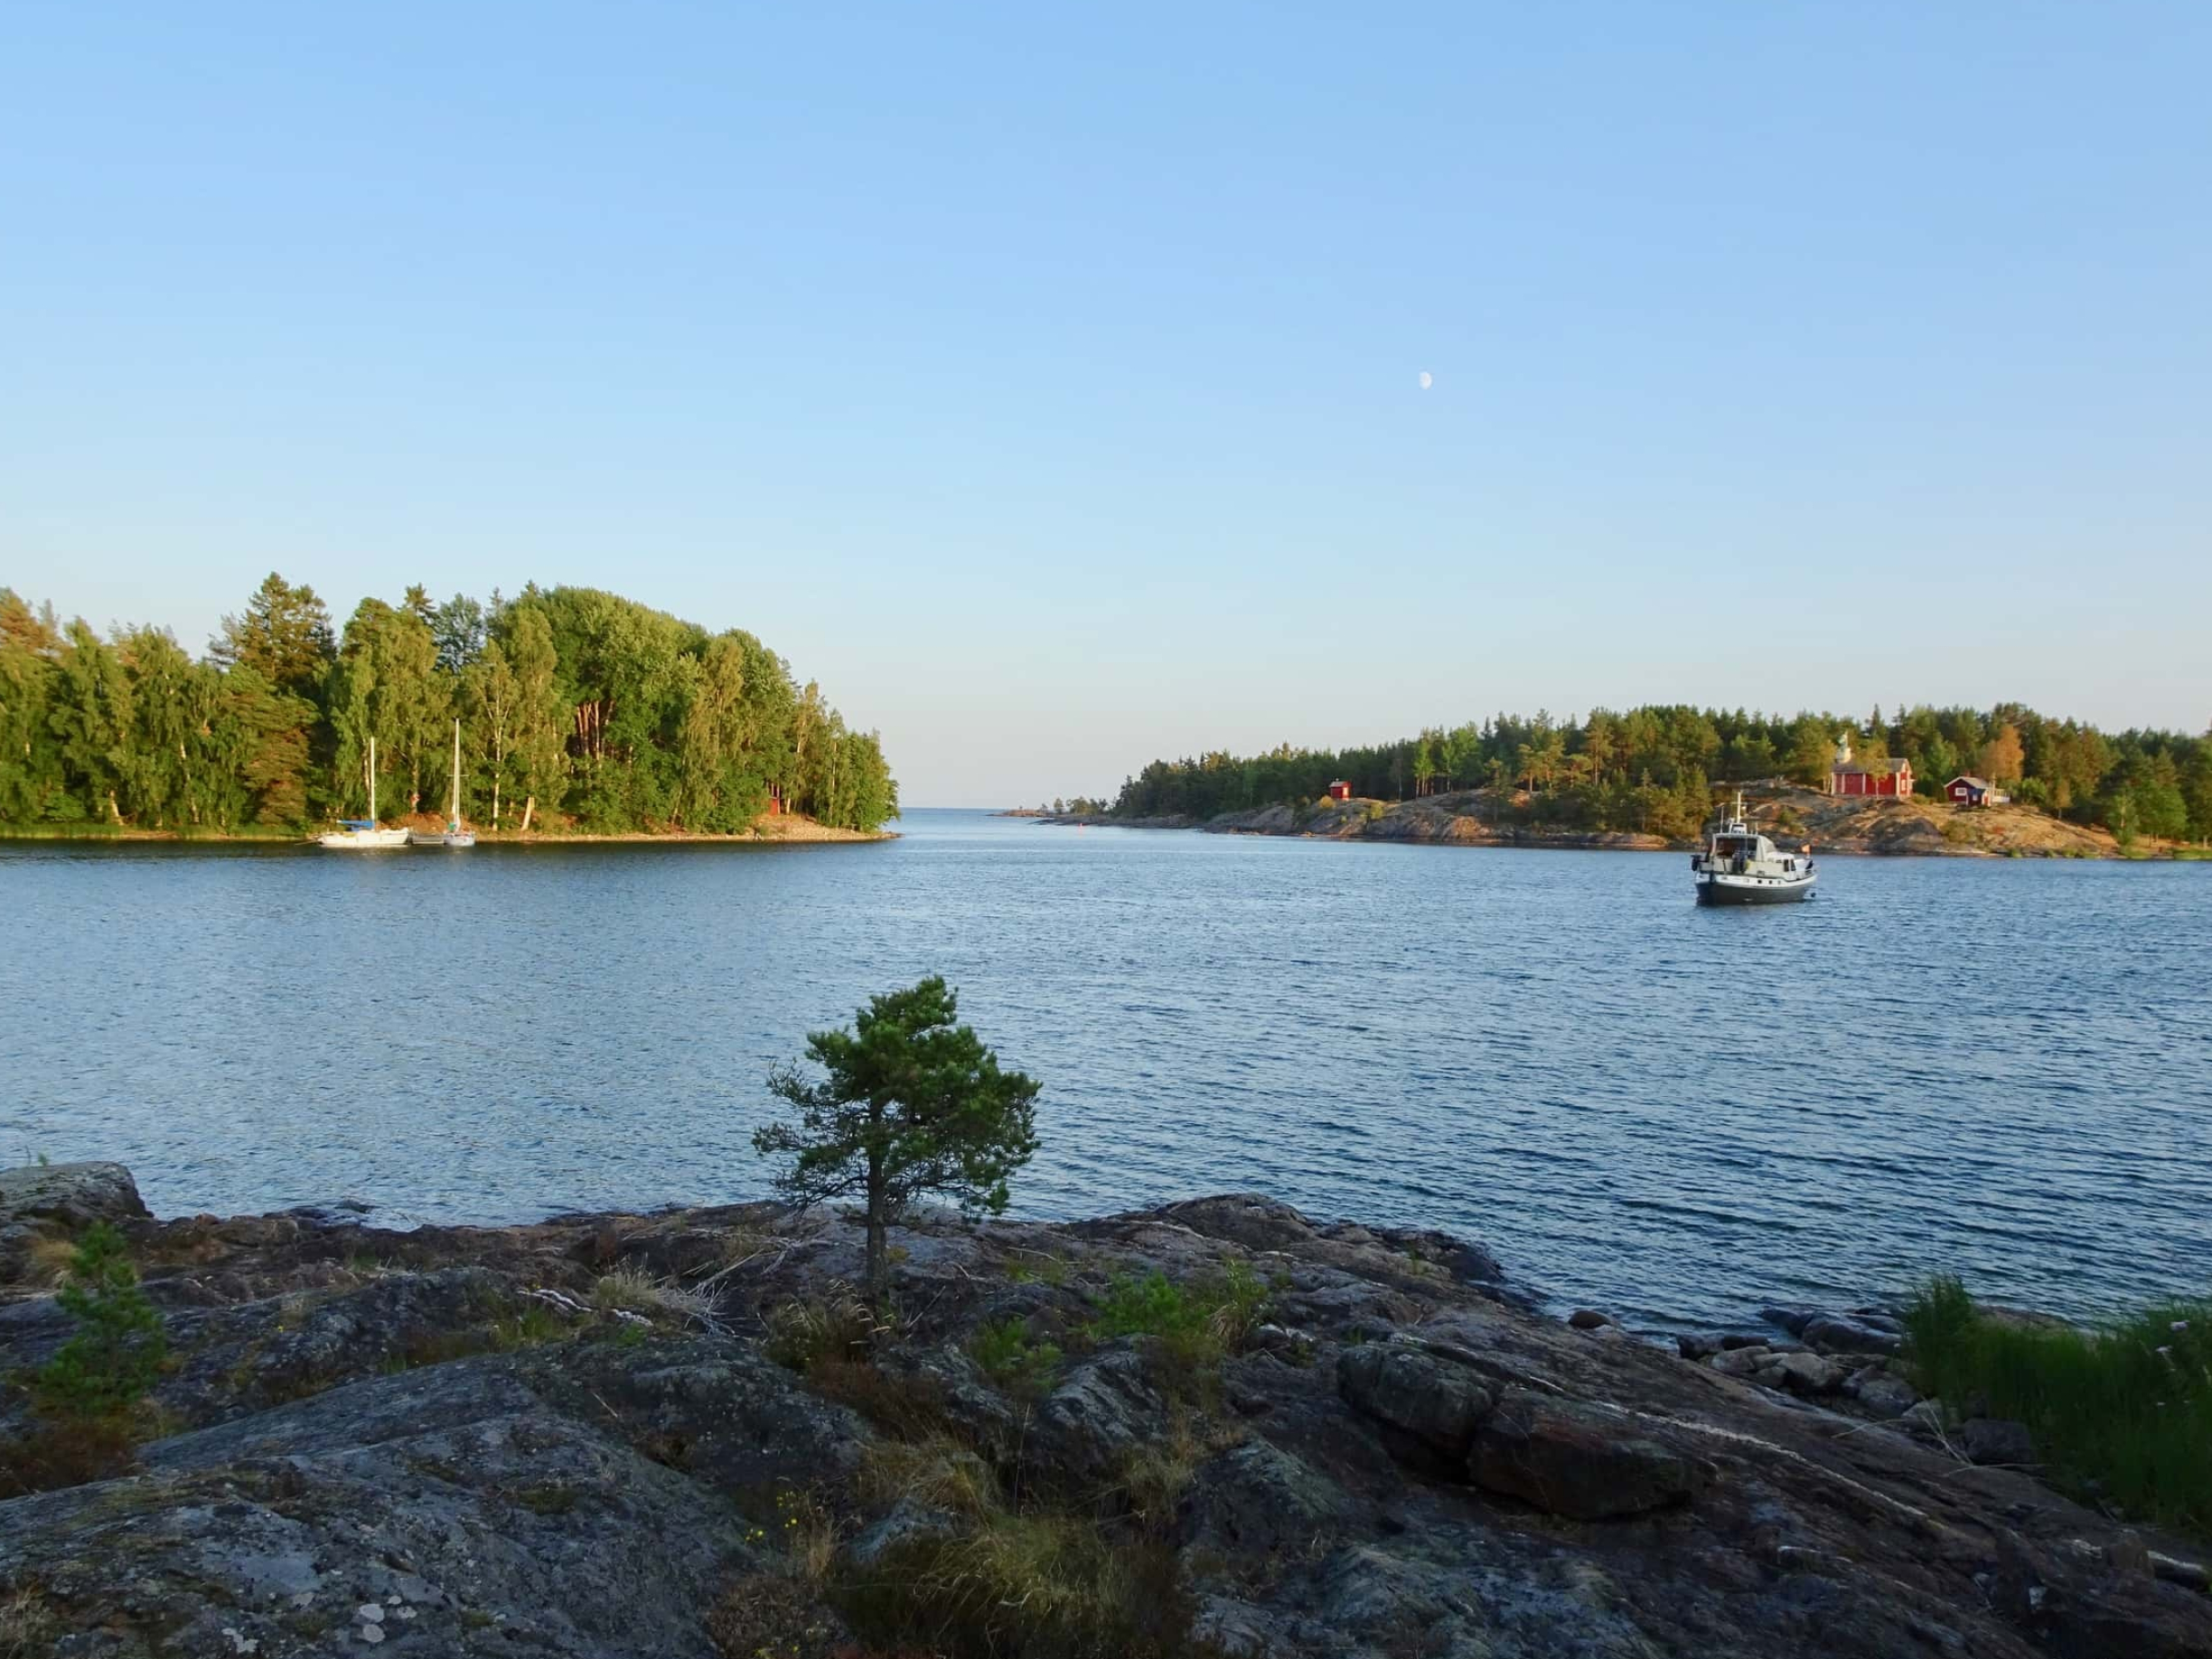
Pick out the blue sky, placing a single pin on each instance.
(1044, 380)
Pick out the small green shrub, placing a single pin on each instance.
(109, 1364)
(1201, 1324)
(2127, 1405)
(1010, 1359)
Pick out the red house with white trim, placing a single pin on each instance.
(1892, 778)
(1340, 790)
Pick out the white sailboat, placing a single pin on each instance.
(362, 834)
(453, 835)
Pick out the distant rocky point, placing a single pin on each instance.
(1828, 823)
(1239, 1430)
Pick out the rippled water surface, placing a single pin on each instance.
(1672, 1112)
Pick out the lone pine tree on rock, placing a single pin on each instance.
(913, 1105)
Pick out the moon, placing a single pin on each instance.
(1426, 379)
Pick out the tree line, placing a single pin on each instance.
(1655, 768)
(577, 707)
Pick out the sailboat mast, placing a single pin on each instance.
(455, 814)
(372, 783)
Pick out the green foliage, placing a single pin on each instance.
(911, 1104)
(574, 704)
(2128, 1405)
(1655, 769)
(1201, 1324)
(106, 1366)
(1009, 1358)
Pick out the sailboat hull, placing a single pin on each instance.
(363, 841)
(441, 838)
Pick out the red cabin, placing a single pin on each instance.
(1340, 790)
(1972, 792)
(1874, 777)
(775, 801)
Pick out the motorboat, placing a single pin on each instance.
(1741, 866)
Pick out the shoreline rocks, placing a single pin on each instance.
(670, 1434)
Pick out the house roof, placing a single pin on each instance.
(1876, 766)
(1969, 778)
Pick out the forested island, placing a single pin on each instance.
(579, 711)
(1656, 770)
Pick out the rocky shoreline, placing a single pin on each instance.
(673, 1434)
(1828, 824)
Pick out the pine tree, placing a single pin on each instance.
(913, 1105)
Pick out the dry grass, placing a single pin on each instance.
(1156, 1476)
(773, 1615)
(629, 1289)
(910, 1407)
(46, 1262)
(70, 1451)
(1042, 1586)
(27, 1625)
(836, 1327)
(937, 1472)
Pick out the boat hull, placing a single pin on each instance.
(441, 839)
(363, 841)
(1749, 890)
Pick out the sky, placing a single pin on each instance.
(1046, 381)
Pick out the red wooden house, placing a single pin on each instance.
(1874, 777)
(1340, 790)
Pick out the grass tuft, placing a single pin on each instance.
(27, 1625)
(629, 1289)
(937, 1472)
(1045, 1587)
(2127, 1406)
(807, 1335)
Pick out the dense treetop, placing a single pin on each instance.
(576, 705)
(1655, 768)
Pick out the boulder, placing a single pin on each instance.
(1106, 1407)
(1257, 1500)
(1582, 1461)
(907, 1524)
(1995, 1440)
(1809, 1374)
(1883, 1393)
(1438, 1401)
(447, 1509)
(1589, 1319)
(58, 1200)
(1742, 1362)
(1830, 1334)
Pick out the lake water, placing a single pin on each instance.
(1675, 1113)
